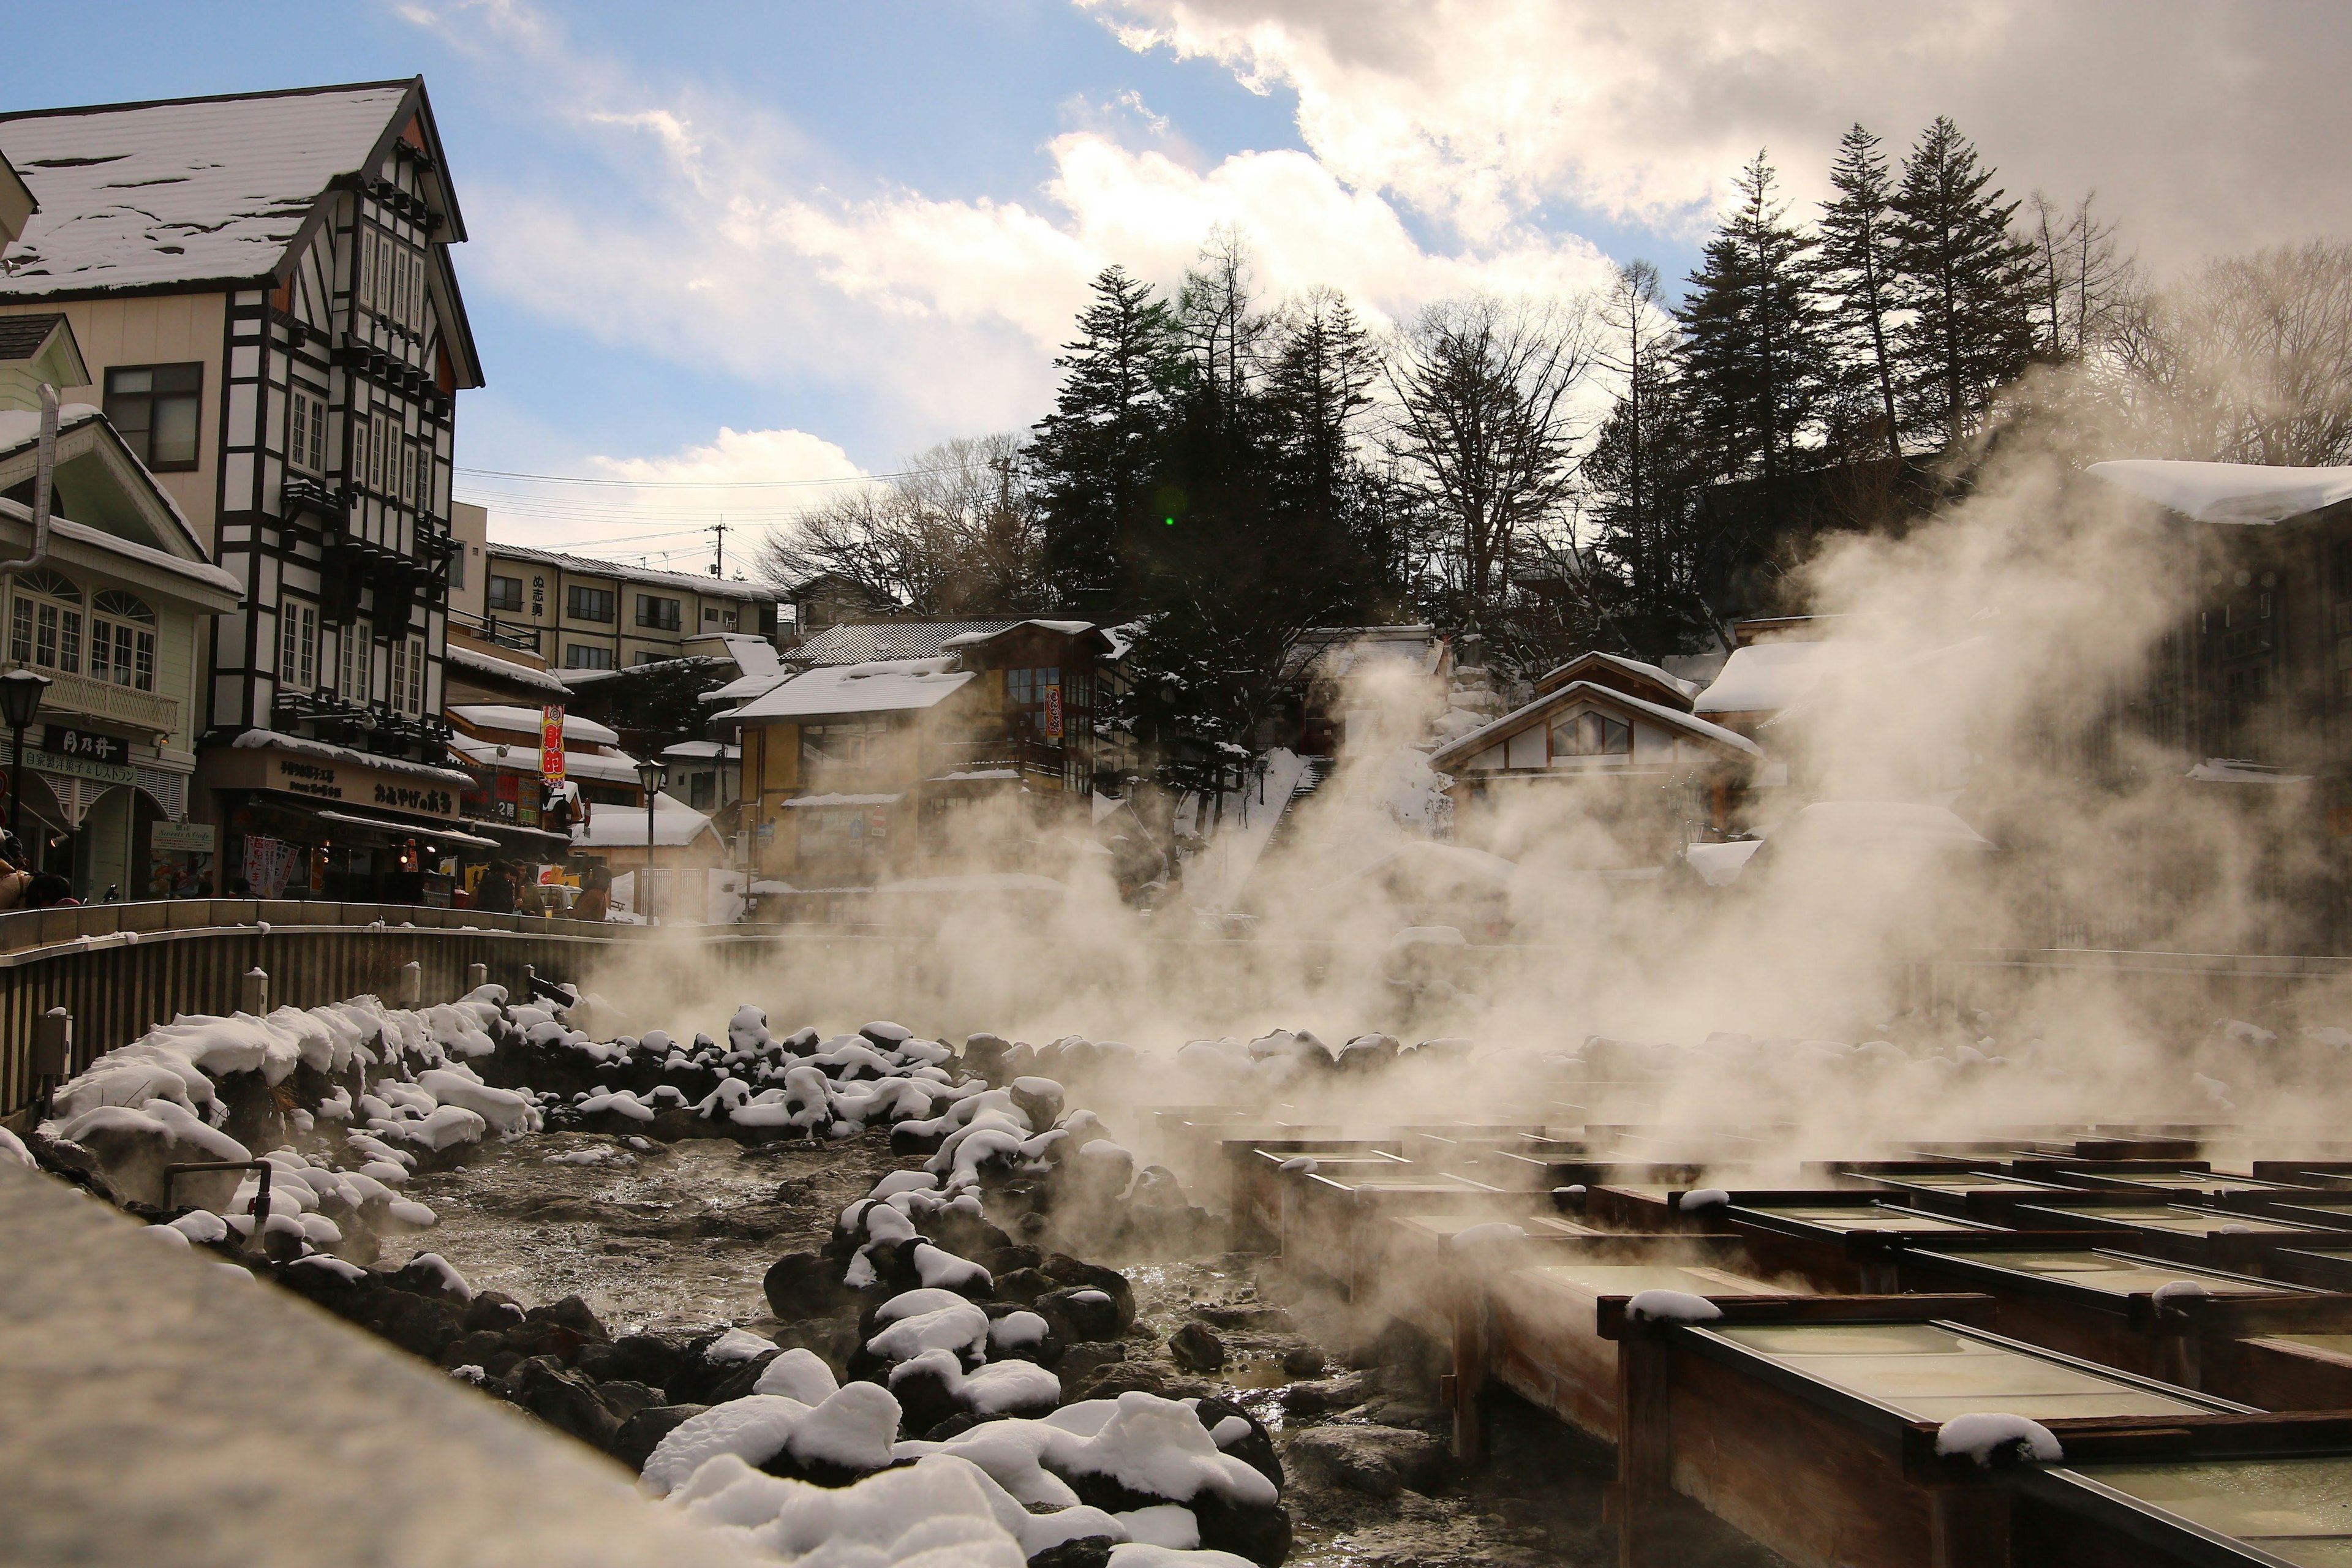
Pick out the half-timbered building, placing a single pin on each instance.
(262, 288)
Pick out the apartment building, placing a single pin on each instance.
(585, 614)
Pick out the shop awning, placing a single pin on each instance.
(432, 830)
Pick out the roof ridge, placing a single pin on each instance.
(402, 82)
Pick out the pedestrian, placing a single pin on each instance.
(49, 891)
(15, 880)
(596, 901)
(495, 893)
(529, 899)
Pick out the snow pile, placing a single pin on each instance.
(1985, 1436)
(1671, 1307)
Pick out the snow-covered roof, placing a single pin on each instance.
(753, 654)
(133, 196)
(526, 721)
(506, 669)
(2229, 492)
(886, 685)
(1766, 677)
(1329, 652)
(1560, 674)
(974, 638)
(590, 567)
(1454, 752)
(871, 641)
(763, 670)
(84, 432)
(806, 801)
(702, 751)
(522, 757)
(2231, 770)
(272, 740)
(619, 827)
(1719, 865)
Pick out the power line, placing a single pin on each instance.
(711, 484)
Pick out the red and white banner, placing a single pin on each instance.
(551, 744)
(1053, 714)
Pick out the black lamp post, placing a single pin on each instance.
(20, 697)
(650, 774)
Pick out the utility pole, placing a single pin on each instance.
(719, 528)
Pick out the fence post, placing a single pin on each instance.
(476, 976)
(52, 1052)
(253, 995)
(412, 985)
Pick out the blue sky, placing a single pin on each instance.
(797, 241)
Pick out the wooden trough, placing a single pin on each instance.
(1810, 1424)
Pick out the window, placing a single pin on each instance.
(506, 593)
(589, 604)
(725, 620)
(44, 623)
(409, 674)
(587, 656)
(384, 454)
(365, 247)
(700, 789)
(1026, 688)
(424, 454)
(647, 655)
(657, 613)
(1590, 734)
(710, 614)
(850, 745)
(154, 408)
(458, 567)
(297, 645)
(359, 448)
(122, 640)
(355, 671)
(398, 258)
(306, 432)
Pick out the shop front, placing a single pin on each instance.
(100, 810)
(301, 819)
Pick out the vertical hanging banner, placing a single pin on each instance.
(551, 744)
(1053, 714)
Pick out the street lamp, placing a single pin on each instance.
(650, 774)
(20, 697)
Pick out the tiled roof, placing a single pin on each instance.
(868, 643)
(587, 566)
(138, 194)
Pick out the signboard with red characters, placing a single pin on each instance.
(551, 744)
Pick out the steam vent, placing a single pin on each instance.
(1149, 783)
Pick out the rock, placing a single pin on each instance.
(1064, 1269)
(1011, 1260)
(1023, 1285)
(985, 1054)
(1262, 1534)
(746, 1378)
(565, 1400)
(1116, 1378)
(625, 1398)
(1088, 1552)
(1038, 1099)
(1196, 1347)
(1258, 1320)
(634, 1358)
(1080, 1362)
(570, 1314)
(1080, 1312)
(475, 1349)
(421, 1325)
(1379, 1461)
(804, 1285)
(1342, 1393)
(1305, 1361)
(676, 1126)
(493, 1310)
(1256, 1450)
(637, 1437)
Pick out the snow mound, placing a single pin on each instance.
(1984, 1434)
(1671, 1307)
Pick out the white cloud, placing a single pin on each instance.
(2208, 127)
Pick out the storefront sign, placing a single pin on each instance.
(551, 744)
(1053, 714)
(63, 740)
(184, 837)
(267, 863)
(329, 778)
(79, 768)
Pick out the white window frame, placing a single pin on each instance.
(355, 661)
(407, 689)
(297, 645)
(306, 431)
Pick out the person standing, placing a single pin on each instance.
(495, 893)
(596, 901)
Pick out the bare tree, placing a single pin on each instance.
(2248, 360)
(2078, 275)
(1485, 393)
(957, 534)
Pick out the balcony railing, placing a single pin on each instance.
(124, 705)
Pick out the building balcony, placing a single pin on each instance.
(125, 705)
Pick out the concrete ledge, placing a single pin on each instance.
(156, 1409)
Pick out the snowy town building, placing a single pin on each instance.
(980, 752)
(115, 615)
(1617, 737)
(262, 285)
(583, 614)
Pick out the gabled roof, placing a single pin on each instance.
(868, 642)
(886, 685)
(2229, 492)
(44, 334)
(197, 190)
(1331, 653)
(507, 719)
(1059, 628)
(101, 483)
(1767, 677)
(1528, 716)
(1673, 691)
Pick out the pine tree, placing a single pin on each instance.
(1093, 455)
(1965, 279)
(1753, 353)
(1857, 265)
